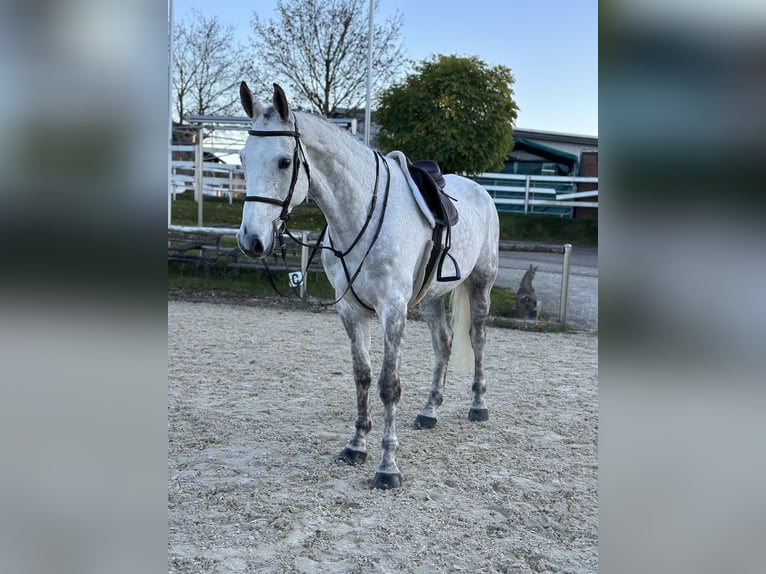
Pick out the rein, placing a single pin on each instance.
(280, 223)
(351, 278)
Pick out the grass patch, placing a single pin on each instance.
(548, 229)
(216, 211)
(513, 226)
(501, 301)
(246, 282)
(255, 283)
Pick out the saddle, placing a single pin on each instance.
(428, 177)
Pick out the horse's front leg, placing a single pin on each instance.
(394, 320)
(358, 330)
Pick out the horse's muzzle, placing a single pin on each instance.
(253, 247)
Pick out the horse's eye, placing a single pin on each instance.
(284, 163)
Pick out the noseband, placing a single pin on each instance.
(299, 157)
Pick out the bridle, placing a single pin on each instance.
(299, 158)
(280, 223)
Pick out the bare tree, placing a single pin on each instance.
(319, 49)
(207, 67)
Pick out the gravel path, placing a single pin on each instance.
(261, 399)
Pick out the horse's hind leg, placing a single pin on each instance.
(479, 294)
(358, 330)
(441, 339)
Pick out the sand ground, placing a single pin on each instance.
(261, 398)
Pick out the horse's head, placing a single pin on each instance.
(276, 172)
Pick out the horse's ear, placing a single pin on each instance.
(251, 106)
(280, 103)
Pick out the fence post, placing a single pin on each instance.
(526, 195)
(304, 262)
(565, 284)
(198, 158)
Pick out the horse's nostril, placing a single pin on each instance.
(256, 246)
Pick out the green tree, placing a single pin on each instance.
(455, 110)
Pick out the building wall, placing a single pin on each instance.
(588, 168)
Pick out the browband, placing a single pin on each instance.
(293, 134)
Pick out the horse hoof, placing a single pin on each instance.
(352, 457)
(478, 415)
(424, 422)
(386, 481)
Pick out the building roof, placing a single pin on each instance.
(552, 154)
(560, 137)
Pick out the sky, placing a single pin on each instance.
(551, 47)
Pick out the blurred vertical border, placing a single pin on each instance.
(83, 172)
(682, 106)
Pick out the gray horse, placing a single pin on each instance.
(378, 243)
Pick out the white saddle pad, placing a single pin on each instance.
(401, 159)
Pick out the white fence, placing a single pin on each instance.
(541, 194)
(219, 179)
(550, 194)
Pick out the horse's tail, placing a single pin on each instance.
(462, 349)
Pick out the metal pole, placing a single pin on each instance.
(170, 103)
(304, 262)
(198, 157)
(526, 196)
(369, 76)
(565, 284)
